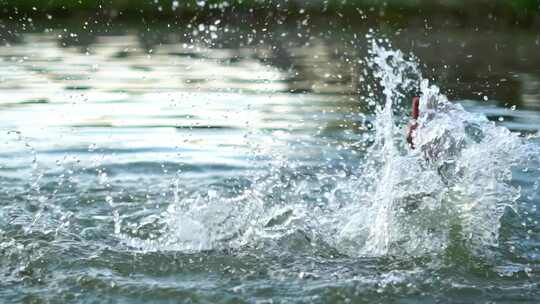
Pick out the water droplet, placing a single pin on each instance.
(175, 5)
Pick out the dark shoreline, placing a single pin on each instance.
(399, 13)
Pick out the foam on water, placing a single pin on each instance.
(453, 188)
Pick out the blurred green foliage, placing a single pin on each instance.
(170, 7)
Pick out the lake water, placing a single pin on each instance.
(218, 164)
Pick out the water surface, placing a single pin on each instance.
(206, 165)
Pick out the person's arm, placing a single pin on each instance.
(414, 124)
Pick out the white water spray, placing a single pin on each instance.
(457, 178)
(454, 187)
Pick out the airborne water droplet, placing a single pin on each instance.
(175, 5)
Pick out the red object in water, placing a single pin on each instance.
(414, 124)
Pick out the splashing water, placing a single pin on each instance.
(393, 71)
(453, 188)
